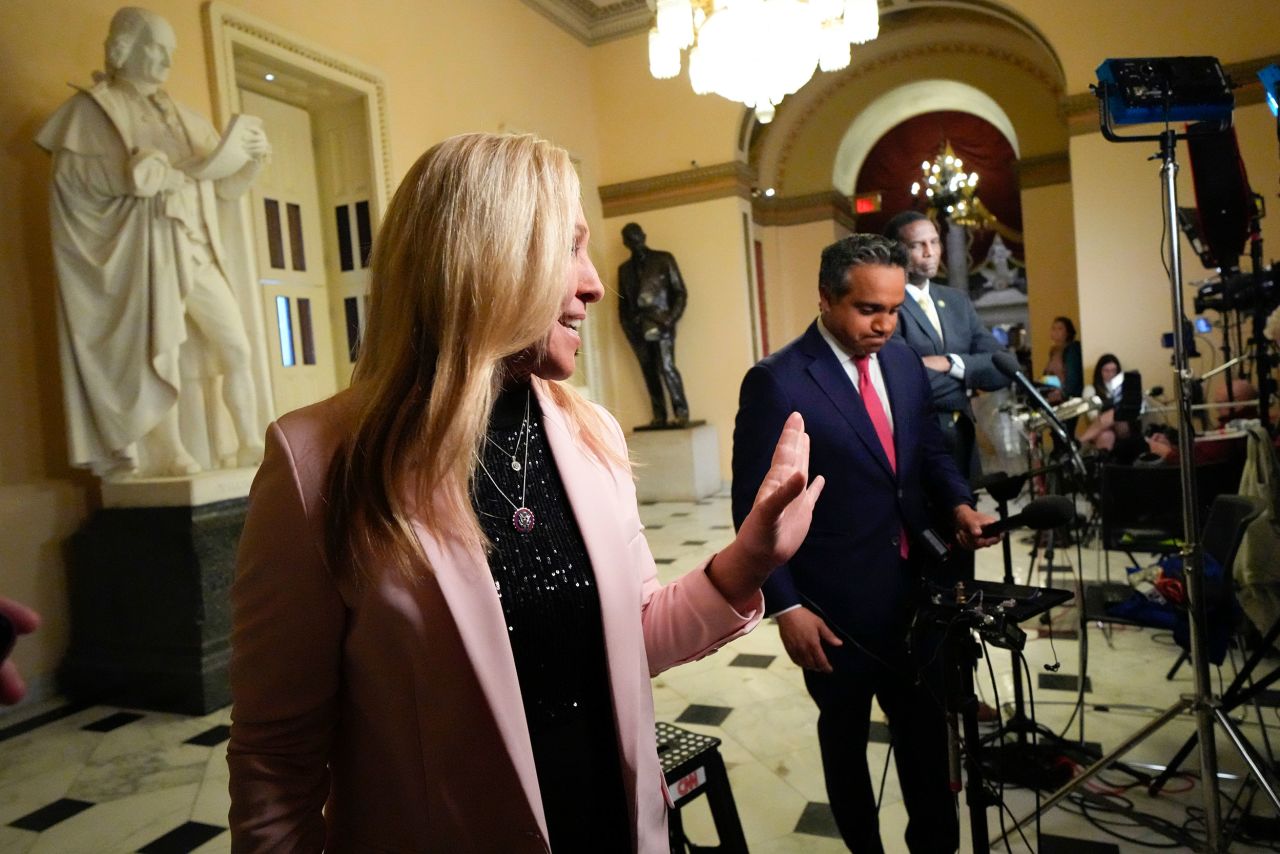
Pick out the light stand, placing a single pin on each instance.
(1131, 84)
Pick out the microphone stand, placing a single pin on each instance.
(1003, 489)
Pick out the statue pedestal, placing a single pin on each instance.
(676, 464)
(149, 585)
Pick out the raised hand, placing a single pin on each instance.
(23, 621)
(778, 521)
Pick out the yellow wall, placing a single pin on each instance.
(1085, 32)
(654, 127)
(1051, 263)
(792, 254)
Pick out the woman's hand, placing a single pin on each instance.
(23, 621)
(778, 521)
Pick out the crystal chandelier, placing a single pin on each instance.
(757, 52)
(950, 191)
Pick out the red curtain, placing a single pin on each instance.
(894, 163)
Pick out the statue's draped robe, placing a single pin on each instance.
(122, 278)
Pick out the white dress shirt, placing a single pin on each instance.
(873, 368)
(921, 292)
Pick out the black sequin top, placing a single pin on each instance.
(547, 588)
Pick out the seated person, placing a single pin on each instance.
(1064, 362)
(1162, 448)
(1243, 394)
(1104, 432)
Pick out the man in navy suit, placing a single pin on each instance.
(945, 331)
(845, 601)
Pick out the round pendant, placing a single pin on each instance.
(522, 519)
(515, 465)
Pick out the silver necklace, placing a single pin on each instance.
(522, 519)
(516, 465)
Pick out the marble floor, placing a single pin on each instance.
(103, 779)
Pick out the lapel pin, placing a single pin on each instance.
(941, 304)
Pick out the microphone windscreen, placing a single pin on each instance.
(1006, 364)
(1050, 511)
(989, 479)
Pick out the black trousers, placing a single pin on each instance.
(919, 747)
(658, 364)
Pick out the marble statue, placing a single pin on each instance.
(156, 297)
(651, 299)
(998, 270)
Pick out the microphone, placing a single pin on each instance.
(1000, 486)
(1008, 365)
(1051, 511)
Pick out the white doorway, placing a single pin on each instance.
(316, 205)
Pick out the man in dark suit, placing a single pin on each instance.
(845, 601)
(945, 331)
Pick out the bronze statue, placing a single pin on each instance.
(651, 299)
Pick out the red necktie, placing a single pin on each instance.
(875, 409)
(871, 400)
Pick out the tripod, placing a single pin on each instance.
(1206, 708)
(1020, 761)
(994, 612)
(960, 653)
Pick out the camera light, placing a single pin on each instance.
(1270, 77)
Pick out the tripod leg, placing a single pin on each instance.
(1175, 763)
(1102, 764)
(1177, 664)
(1260, 772)
(1235, 696)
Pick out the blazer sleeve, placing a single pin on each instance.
(687, 618)
(763, 408)
(288, 623)
(943, 482)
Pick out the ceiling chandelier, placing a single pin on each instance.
(950, 191)
(757, 52)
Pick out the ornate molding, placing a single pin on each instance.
(678, 188)
(592, 24)
(798, 210)
(1044, 171)
(224, 20)
(1081, 109)
(853, 73)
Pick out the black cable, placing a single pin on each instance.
(1004, 808)
(995, 694)
(1079, 707)
(1035, 730)
(1093, 803)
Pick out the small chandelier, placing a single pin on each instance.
(950, 191)
(757, 52)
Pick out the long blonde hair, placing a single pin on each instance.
(469, 268)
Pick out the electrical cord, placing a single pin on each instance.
(1035, 729)
(1093, 804)
(995, 695)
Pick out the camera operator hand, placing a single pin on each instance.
(17, 619)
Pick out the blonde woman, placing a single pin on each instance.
(446, 613)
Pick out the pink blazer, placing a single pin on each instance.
(390, 719)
